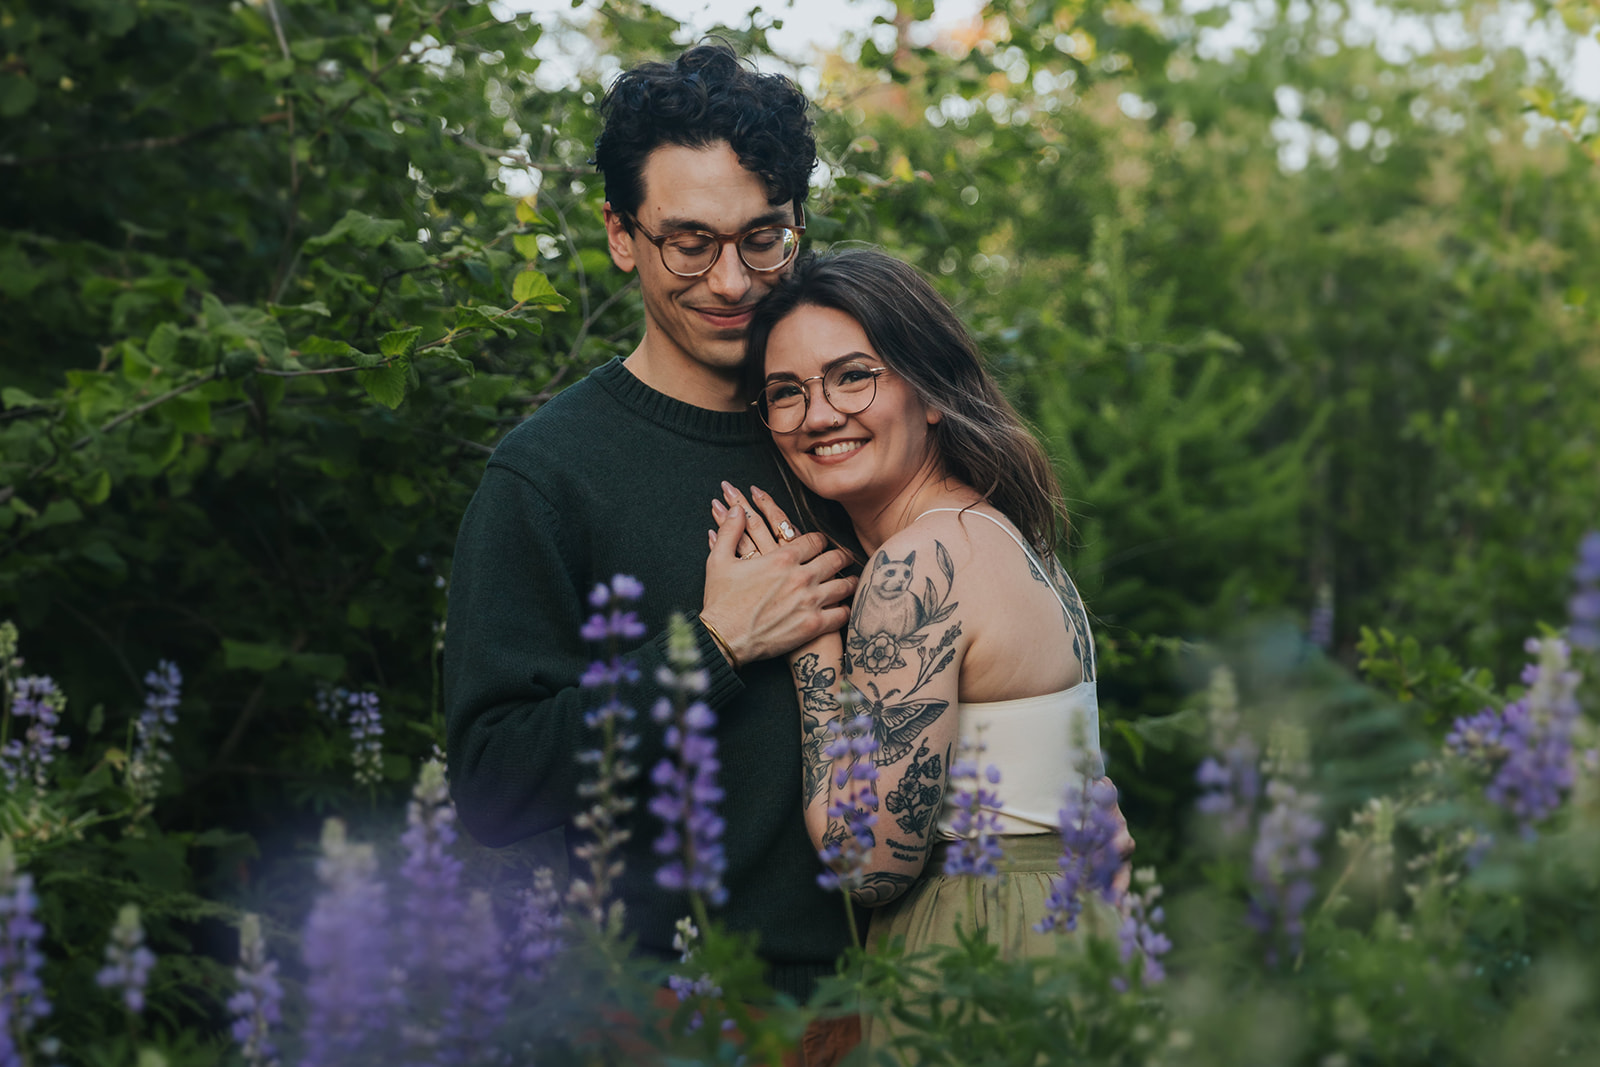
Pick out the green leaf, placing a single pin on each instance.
(17, 95)
(189, 414)
(58, 513)
(400, 342)
(531, 287)
(249, 656)
(311, 307)
(485, 317)
(328, 666)
(528, 211)
(102, 553)
(359, 229)
(162, 347)
(450, 355)
(527, 245)
(386, 385)
(13, 397)
(324, 347)
(96, 487)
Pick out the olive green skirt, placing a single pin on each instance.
(1007, 907)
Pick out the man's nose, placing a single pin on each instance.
(728, 277)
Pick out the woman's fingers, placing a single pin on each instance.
(755, 527)
(777, 521)
(720, 513)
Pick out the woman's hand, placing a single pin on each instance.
(764, 529)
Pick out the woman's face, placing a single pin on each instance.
(862, 458)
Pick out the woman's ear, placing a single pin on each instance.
(934, 415)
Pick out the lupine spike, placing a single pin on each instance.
(152, 749)
(22, 995)
(257, 1006)
(128, 961)
(687, 791)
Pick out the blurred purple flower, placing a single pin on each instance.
(1281, 861)
(152, 749)
(257, 1006)
(972, 816)
(128, 962)
(1089, 859)
(612, 624)
(366, 737)
(1138, 936)
(539, 925)
(1231, 778)
(27, 759)
(22, 997)
(1527, 746)
(349, 987)
(1319, 629)
(1585, 605)
(852, 816)
(687, 792)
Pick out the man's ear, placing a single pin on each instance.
(618, 241)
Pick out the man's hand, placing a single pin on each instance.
(778, 596)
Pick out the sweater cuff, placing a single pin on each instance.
(725, 683)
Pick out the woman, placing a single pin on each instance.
(964, 628)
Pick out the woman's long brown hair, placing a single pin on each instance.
(980, 438)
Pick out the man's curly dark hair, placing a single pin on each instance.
(706, 95)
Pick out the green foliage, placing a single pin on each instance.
(1302, 320)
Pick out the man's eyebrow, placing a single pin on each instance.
(826, 367)
(771, 218)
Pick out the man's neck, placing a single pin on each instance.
(686, 380)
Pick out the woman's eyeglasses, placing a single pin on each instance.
(848, 388)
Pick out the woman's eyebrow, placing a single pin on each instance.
(786, 376)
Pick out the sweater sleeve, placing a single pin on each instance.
(513, 655)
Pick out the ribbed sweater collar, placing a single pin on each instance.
(722, 427)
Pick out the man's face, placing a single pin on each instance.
(699, 320)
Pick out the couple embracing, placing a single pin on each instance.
(881, 516)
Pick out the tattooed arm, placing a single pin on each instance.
(898, 664)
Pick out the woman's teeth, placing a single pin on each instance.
(837, 449)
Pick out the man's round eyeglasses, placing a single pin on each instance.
(690, 253)
(848, 388)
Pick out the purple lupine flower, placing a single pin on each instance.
(432, 876)
(1139, 937)
(28, 758)
(257, 1006)
(453, 970)
(332, 701)
(687, 792)
(853, 815)
(22, 997)
(686, 940)
(349, 988)
(1281, 862)
(1585, 605)
(1230, 779)
(1089, 857)
(128, 962)
(1528, 745)
(611, 623)
(366, 737)
(152, 749)
(973, 819)
(539, 937)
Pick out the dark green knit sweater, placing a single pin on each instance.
(612, 477)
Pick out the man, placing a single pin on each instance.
(614, 476)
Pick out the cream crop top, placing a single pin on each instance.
(1042, 744)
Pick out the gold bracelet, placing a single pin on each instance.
(727, 651)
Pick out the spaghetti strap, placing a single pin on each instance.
(1034, 559)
